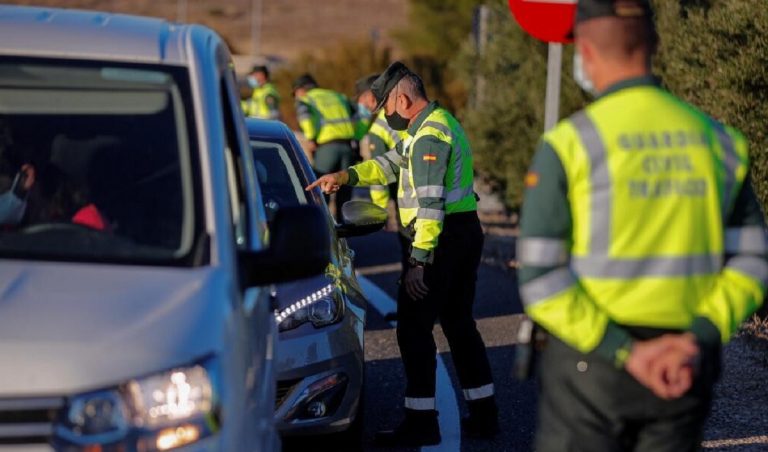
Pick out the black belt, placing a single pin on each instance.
(461, 217)
(644, 333)
(344, 142)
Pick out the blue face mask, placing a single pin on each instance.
(252, 82)
(11, 208)
(363, 111)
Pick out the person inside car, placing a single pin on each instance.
(13, 203)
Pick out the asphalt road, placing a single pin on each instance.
(497, 311)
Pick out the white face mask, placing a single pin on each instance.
(11, 208)
(581, 77)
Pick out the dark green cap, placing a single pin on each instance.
(304, 80)
(592, 9)
(260, 68)
(364, 84)
(382, 86)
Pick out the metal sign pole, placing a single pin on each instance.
(256, 10)
(552, 99)
(181, 11)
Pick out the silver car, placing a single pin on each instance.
(135, 310)
(320, 358)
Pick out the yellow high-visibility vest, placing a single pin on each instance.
(324, 115)
(626, 262)
(260, 105)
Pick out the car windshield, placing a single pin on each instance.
(280, 183)
(94, 161)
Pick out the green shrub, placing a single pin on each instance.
(712, 54)
(505, 118)
(336, 68)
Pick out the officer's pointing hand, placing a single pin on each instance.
(330, 183)
(414, 283)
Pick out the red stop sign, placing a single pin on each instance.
(547, 20)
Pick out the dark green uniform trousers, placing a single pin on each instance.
(588, 405)
(451, 280)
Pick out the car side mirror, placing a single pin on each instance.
(299, 247)
(360, 218)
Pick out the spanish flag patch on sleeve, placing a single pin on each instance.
(531, 179)
(430, 157)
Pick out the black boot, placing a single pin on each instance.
(483, 420)
(419, 428)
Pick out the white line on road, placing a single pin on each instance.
(445, 397)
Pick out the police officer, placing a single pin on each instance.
(265, 100)
(438, 205)
(327, 120)
(380, 137)
(642, 245)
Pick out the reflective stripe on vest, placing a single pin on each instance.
(746, 240)
(542, 252)
(381, 129)
(259, 107)
(597, 263)
(753, 266)
(600, 182)
(334, 120)
(547, 286)
(408, 197)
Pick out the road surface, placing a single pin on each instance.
(497, 310)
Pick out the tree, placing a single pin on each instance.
(505, 123)
(436, 29)
(336, 67)
(713, 54)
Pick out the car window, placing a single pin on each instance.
(95, 161)
(280, 183)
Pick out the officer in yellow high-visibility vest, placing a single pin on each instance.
(642, 247)
(438, 205)
(381, 138)
(265, 100)
(327, 119)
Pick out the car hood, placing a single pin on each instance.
(66, 328)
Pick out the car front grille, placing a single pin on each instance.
(28, 420)
(284, 388)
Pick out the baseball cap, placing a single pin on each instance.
(260, 68)
(591, 9)
(364, 84)
(386, 82)
(304, 80)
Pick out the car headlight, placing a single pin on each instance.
(169, 397)
(159, 412)
(322, 307)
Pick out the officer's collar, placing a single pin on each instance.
(645, 80)
(432, 106)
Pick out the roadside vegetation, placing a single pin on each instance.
(712, 54)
